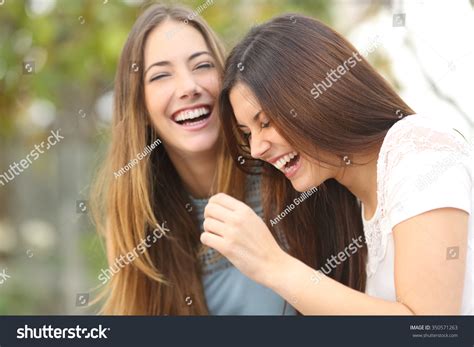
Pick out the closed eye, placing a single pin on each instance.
(205, 66)
(201, 66)
(158, 77)
(263, 125)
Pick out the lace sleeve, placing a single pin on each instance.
(424, 166)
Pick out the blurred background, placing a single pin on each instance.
(57, 66)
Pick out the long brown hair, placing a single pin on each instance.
(280, 61)
(166, 278)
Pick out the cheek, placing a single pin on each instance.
(210, 82)
(275, 138)
(316, 172)
(157, 99)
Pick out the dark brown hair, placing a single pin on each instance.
(281, 62)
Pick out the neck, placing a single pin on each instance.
(361, 180)
(196, 170)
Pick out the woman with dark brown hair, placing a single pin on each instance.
(300, 98)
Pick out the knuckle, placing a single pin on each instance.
(217, 196)
(242, 214)
(206, 224)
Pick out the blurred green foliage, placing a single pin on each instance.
(75, 47)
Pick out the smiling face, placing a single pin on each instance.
(268, 145)
(181, 84)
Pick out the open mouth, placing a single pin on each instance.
(194, 117)
(289, 163)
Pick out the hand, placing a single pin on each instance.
(237, 232)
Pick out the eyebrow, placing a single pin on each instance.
(166, 62)
(254, 119)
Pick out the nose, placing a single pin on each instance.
(187, 86)
(258, 146)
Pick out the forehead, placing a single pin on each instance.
(244, 103)
(173, 40)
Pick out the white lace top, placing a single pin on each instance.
(423, 164)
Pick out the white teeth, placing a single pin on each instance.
(280, 163)
(191, 114)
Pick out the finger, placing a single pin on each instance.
(217, 211)
(214, 226)
(213, 241)
(227, 201)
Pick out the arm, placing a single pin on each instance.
(420, 253)
(427, 282)
(294, 281)
(427, 279)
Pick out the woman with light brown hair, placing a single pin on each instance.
(301, 100)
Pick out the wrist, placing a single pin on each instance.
(276, 270)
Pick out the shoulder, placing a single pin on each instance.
(421, 132)
(424, 164)
(419, 143)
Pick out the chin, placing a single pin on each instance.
(304, 183)
(201, 144)
(300, 187)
